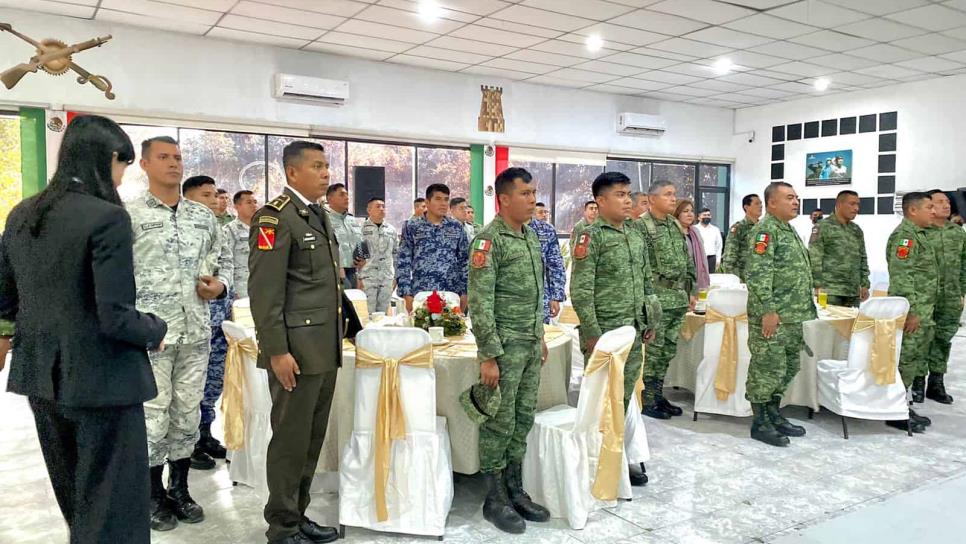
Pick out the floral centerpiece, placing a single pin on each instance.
(435, 313)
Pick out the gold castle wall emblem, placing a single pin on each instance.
(491, 110)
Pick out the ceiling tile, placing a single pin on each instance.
(581, 40)
(691, 91)
(481, 70)
(541, 18)
(365, 42)
(803, 69)
(448, 54)
(933, 17)
(656, 21)
(773, 27)
(708, 11)
(249, 24)
(781, 76)
(492, 35)
(956, 4)
(739, 98)
(510, 26)
(544, 57)
(759, 4)
(407, 19)
(727, 37)
(750, 59)
(556, 81)
(932, 44)
(642, 84)
(670, 97)
(843, 62)
(609, 68)
(163, 11)
(831, 40)
(817, 13)
(888, 71)
(720, 86)
(764, 92)
(242, 36)
(57, 8)
(213, 5)
(750, 79)
(668, 77)
(884, 53)
(286, 15)
(663, 54)
(692, 69)
(613, 89)
(428, 63)
(561, 47)
(111, 16)
(641, 61)
(476, 7)
(957, 33)
(691, 47)
(376, 30)
(591, 9)
(346, 50)
(622, 34)
(635, 3)
(958, 56)
(882, 30)
(930, 64)
(788, 50)
(533, 68)
(471, 46)
(795, 87)
(851, 78)
(879, 7)
(344, 8)
(582, 75)
(918, 77)
(444, 14)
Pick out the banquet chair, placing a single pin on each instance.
(724, 280)
(563, 448)
(730, 302)
(248, 463)
(419, 488)
(635, 434)
(849, 389)
(880, 289)
(451, 298)
(361, 303)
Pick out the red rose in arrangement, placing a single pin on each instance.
(434, 303)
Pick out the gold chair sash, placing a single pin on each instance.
(611, 422)
(390, 419)
(727, 374)
(233, 396)
(882, 356)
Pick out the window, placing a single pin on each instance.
(236, 160)
(443, 165)
(398, 161)
(11, 179)
(542, 173)
(681, 175)
(714, 175)
(572, 188)
(334, 152)
(135, 181)
(717, 202)
(631, 169)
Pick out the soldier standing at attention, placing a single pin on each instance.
(177, 249)
(554, 277)
(221, 210)
(506, 300)
(675, 284)
(347, 231)
(611, 279)
(779, 279)
(295, 293)
(837, 251)
(434, 251)
(590, 215)
(376, 278)
(245, 205)
(735, 248)
(949, 241)
(914, 273)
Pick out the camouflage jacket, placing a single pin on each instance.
(611, 279)
(673, 268)
(505, 287)
(236, 233)
(734, 258)
(172, 248)
(579, 227)
(949, 242)
(432, 257)
(914, 269)
(555, 277)
(839, 262)
(347, 232)
(383, 245)
(778, 273)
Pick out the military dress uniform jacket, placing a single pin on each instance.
(913, 269)
(839, 262)
(294, 285)
(778, 273)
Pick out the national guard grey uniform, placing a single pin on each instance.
(172, 248)
(348, 233)
(237, 234)
(378, 274)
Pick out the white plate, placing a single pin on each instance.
(441, 343)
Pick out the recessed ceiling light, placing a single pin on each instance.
(821, 84)
(594, 42)
(429, 10)
(722, 66)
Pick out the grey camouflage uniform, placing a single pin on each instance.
(378, 273)
(237, 234)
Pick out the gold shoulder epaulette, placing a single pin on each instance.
(279, 203)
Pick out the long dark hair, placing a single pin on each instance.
(84, 161)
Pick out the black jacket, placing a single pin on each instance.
(79, 341)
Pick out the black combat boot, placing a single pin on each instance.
(162, 513)
(497, 508)
(522, 502)
(905, 424)
(916, 418)
(763, 430)
(201, 460)
(919, 389)
(781, 424)
(185, 507)
(210, 444)
(936, 390)
(652, 391)
(638, 474)
(672, 410)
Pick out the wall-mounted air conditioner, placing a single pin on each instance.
(311, 89)
(641, 124)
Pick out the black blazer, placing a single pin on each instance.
(80, 341)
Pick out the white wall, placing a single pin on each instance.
(180, 76)
(931, 137)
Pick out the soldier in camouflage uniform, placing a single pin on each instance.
(779, 279)
(177, 251)
(949, 241)
(736, 245)
(378, 274)
(506, 301)
(837, 251)
(589, 218)
(434, 251)
(611, 280)
(347, 231)
(675, 284)
(914, 273)
(237, 232)
(555, 277)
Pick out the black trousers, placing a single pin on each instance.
(299, 420)
(350, 278)
(97, 459)
(711, 263)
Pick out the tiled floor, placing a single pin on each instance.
(709, 483)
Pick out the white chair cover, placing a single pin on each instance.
(564, 445)
(635, 435)
(724, 280)
(880, 289)
(248, 463)
(420, 488)
(451, 298)
(730, 302)
(359, 301)
(848, 388)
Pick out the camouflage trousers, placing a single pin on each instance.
(503, 438)
(172, 417)
(774, 361)
(378, 295)
(914, 357)
(839, 300)
(632, 367)
(665, 344)
(215, 381)
(947, 314)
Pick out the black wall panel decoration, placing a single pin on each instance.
(867, 205)
(847, 125)
(867, 123)
(887, 184)
(778, 170)
(370, 182)
(811, 129)
(794, 132)
(885, 205)
(778, 133)
(887, 142)
(830, 127)
(778, 152)
(809, 205)
(887, 163)
(827, 205)
(888, 121)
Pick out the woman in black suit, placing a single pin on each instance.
(80, 347)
